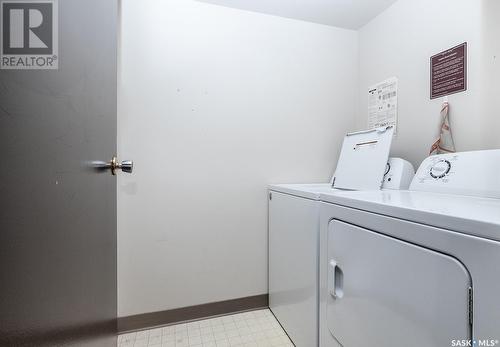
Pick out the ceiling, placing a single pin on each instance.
(349, 14)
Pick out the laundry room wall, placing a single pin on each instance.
(490, 71)
(401, 40)
(214, 104)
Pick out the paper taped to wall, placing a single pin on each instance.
(383, 104)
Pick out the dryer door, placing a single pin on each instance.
(384, 292)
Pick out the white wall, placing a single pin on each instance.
(214, 104)
(490, 71)
(400, 42)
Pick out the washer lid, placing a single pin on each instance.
(310, 191)
(465, 214)
(363, 159)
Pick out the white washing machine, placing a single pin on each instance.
(418, 267)
(294, 238)
(293, 259)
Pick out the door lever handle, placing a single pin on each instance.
(335, 280)
(332, 266)
(126, 166)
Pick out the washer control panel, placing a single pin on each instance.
(466, 173)
(398, 174)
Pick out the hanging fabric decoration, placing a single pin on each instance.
(445, 142)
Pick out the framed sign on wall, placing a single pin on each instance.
(449, 71)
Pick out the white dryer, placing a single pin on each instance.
(418, 267)
(294, 235)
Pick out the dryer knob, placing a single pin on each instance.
(440, 169)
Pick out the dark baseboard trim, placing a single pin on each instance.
(162, 318)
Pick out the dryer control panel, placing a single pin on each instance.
(475, 173)
(440, 169)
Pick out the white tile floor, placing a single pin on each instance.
(255, 329)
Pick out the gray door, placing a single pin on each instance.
(384, 292)
(58, 213)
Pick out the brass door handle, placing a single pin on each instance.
(126, 166)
